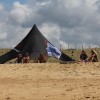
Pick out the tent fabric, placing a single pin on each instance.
(8, 56)
(65, 57)
(34, 43)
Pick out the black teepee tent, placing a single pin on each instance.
(34, 43)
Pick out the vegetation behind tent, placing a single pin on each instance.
(76, 54)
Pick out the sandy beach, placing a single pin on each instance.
(51, 81)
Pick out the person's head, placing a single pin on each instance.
(40, 54)
(93, 52)
(83, 51)
(27, 54)
(19, 55)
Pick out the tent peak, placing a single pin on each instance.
(34, 25)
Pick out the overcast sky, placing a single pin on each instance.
(62, 22)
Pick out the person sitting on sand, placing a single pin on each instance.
(26, 59)
(19, 58)
(41, 59)
(93, 57)
(83, 56)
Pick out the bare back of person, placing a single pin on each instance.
(26, 59)
(42, 59)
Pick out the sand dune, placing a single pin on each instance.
(51, 81)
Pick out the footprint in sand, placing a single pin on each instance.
(47, 96)
(87, 97)
(8, 98)
(63, 94)
(70, 89)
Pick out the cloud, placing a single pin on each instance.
(11, 25)
(51, 32)
(62, 22)
(78, 21)
(19, 14)
(1, 7)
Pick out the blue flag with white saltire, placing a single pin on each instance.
(53, 51)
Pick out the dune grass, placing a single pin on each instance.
(75, 54)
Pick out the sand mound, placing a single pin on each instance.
(51, 81)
